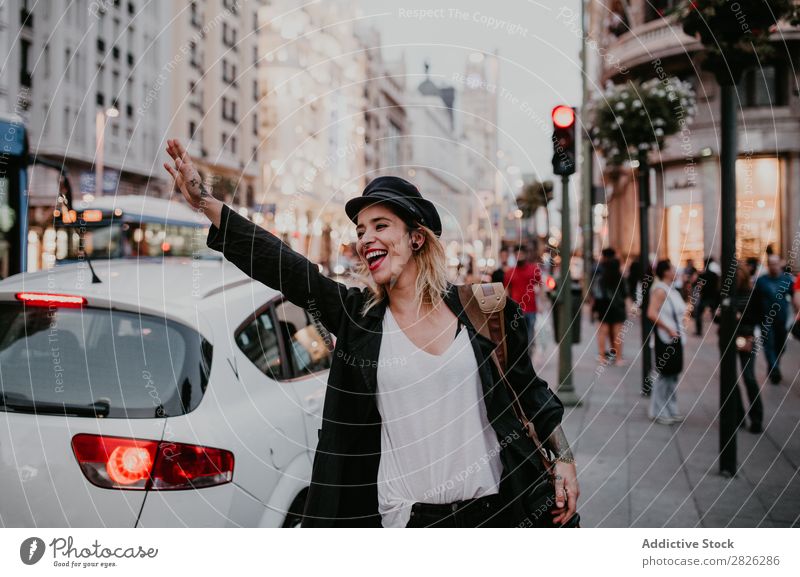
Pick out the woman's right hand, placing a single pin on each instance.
(187, 179)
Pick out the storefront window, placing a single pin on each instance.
(758, 215)
(685, 233)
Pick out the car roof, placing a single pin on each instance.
(175, 285)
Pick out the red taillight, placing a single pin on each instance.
(128, 465)
(122, 463)
(49, 299)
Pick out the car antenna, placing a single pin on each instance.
(65, 194)
(95, 278)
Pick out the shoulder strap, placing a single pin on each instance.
(484, 305)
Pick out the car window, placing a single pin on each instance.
(307, 342)
(258, 340)
(136, 365)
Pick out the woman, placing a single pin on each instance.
(666, 311)
(418, 429)
(749, 315)
(610, 309)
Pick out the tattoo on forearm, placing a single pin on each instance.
(557, 443)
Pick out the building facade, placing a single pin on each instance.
(436, 164)
(386, 150)
(213, 93)
(643, 39)
(77, 77)
(312, 124)
(478, 109)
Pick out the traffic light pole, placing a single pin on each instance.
(566, 392)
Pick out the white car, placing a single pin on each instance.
(180, 393)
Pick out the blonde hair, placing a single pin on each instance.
(431, 281)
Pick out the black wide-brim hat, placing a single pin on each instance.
(403, 197)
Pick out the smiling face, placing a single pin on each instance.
(384, 244)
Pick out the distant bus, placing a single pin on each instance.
(13, 197)
(130, 226)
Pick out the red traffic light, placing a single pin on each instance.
(563, 116)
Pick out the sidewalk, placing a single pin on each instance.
(635, 473)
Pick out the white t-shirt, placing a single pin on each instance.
(437, 445)
(673, 308)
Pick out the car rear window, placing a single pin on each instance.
(128, 365)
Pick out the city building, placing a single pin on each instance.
(478, 104)
(77, 77)
(436, 164)
(643, 39)
(386, 150)
(212, 86)
(312, 124)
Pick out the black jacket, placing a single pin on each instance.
(343, 489)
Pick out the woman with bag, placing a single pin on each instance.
(666, 311)
(610, 309)
(419, 428)
(748, 317)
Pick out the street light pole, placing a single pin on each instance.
(100, 137)
(644, 263)
(100, 131)
(587, 180)
(728, 375)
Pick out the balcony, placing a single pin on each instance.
(656, 39)
(661, 38)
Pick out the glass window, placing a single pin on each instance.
(128, 365)
(259, 342)
(763, 86)
(306, 341)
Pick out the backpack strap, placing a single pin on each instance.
(484, 304)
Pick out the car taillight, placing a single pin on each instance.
(49, 299)
(123, 463)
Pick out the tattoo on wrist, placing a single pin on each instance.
(199, 183)
(558, 445)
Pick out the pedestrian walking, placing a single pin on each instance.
(499, 274)
(666, 310)
(688, 275)
(707, 295)
(772, 290)
(748, 317)
(418, 427)
(609, 306)
(522, 282)
(635, 282)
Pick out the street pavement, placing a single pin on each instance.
(636, 473)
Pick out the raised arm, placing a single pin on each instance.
(258, 253)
